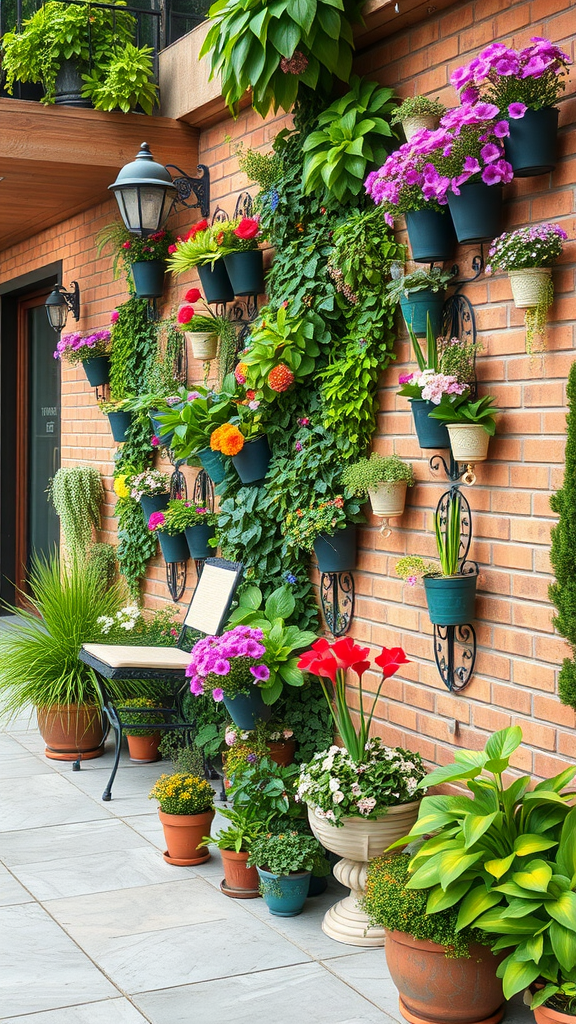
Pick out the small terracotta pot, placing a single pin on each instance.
(183, 834)
(546, 1015)
(240, 882)
(144, 748)
(437, 990)
(282, 751)
(71, 731)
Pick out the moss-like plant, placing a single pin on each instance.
(389, 904)
(143, 709)
(367, 474)
(417, 106)
(563, 553)
(77, 493)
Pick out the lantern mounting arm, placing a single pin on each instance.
(72, 299)
(186, 185)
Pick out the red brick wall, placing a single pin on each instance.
(519, 654)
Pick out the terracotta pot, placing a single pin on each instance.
(389, 499)
(183, 834)
(437, 990)
(529, 286)
(546, 1015)
(71, 731)
(240, 882)
(144, 748)
(282, 751)
(468, 441)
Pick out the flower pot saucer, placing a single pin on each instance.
(185, 862)
(86, 755)
(145, 760)
(413, 1018)
(238, 894)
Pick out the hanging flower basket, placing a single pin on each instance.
(148, 278)
(174, 549)
(451, 599)
(215, 282)
(529, 286)
(418, 306)
(204, 344)
(251, 463)
(476, 212)
(468, 441)
(153, 503)
(414, 124)
(213, 463)
(389, 499)
(531, 145)
(97, 371)
(120, 423)
(431, 235)
(246, 709)
(246, 272)
(431, 433)
(197, 538)
(336, 553)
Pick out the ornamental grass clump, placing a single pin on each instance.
(447, 528)
(183, 794)
(514, 80)
(229, 664)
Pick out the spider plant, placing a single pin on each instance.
(448, 536)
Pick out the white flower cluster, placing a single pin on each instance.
(126, 619)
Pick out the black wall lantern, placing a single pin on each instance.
(146, 193)
(59, 302)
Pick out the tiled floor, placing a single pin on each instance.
(95, 927)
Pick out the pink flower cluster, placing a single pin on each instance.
(156, 519)
(499, 61)
(434, 385)
(70, 344)
(223, 655)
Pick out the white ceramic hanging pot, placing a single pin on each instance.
(468, 441)
(389, 499)
(529, 286)
(411, 125)
(204, 344)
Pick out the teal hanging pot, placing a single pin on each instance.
(197, 538)
(431, 433)
(246, 272)
(246, 709)
(213, 463)
(338, 552)
(149, 278)
(476, 212)
(284, 895)
(153, 503)
(531, 145)
(431, 235)
(418, 306)
(251, 463)
(215, 282)
(97, 371)
(451, 599)
(174, 549)
(120, 423)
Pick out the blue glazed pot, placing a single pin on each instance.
(284, 895)
(174, 549)
(431, 235)
(97, 371)
(337, 553)
(246, 272)
(198, 537)
(245, 709)
(451, 599)
(253, 460)
(476, 212)
(531, 145)
(431, 433)
(153, 503)
(417, 307)
(149, 278)
(120, 423)
(213, 463)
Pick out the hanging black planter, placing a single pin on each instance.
(198, 537)
(174, 549)
(431, 235)
(253, 460)
(431, 433)
(149, 278)
(451, 599)
(476, 212)
(338, 552)
(418, 306)
(68, 85)
(213, 463)
(246, 272)
(120, 423)
(97, 371)
(531, 145)
(153, 503)
(215, 282)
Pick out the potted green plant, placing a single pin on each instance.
(91, 350)
(68, 604)
(282, 349)
(327, 527)
(525, 85)
(77, 495)
(442, 972)
(200, 249)
(425, 388)
(470, 423)
(198, 525)
(125, 83)
(143, 743)
(383, 479)
(203, 330)
(418, 112)
(420, 294)
(240, 882)
(450, 592)
(173, 543)
(152, 489)
(190, 423)
(528, 255)
(119, 417)
(186, 811)
(284, 863)
(273, 739)
(243, 259)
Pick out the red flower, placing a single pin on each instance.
(172, 249)
(350, 655)
(200, 226)
(247, 228)
(185, 314)
(319, 661)
(250, 395)
(193, 295)
(390, 660)
(126, 245)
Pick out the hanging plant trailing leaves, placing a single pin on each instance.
(274, 48)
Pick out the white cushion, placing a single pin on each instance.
(120, 656)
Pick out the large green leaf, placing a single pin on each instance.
(455, 863)
(518, 976)
(503, 743)
(563, 910)
(477, 902)
(251, 597)
(499, 865)
(525, 844)
(536, 875)
(280, 604)
(439, 900)
(303, 13)
(270, 694)
(567, 849)
(475, 825)
(493, 921)
(290, 673)
(563, 945)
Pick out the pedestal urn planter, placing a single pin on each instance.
(357, 842)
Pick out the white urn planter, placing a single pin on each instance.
(357, 842)
(529, 286)
(389, 499)
(411, 125)
(204, 344)
(469, 442)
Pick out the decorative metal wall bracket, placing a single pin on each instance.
(176, 572)
(186, 185)
(337, 594)
(203, 496)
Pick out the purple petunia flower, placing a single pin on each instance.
(218, 694)
(221, 667)
(517, 110)
(260, 672)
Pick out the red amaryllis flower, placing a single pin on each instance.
(350, 655)
(319, 661)
(247, 228)
(390, 660)
(184, 314)
(192, 295)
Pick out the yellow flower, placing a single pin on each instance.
(120, 487)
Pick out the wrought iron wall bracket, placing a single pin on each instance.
(337, 594)
(176, 572)
(186, 185)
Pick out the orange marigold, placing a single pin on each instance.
(227, 439)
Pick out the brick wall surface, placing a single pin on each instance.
(519, 653)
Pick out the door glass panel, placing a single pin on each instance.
(44, 432)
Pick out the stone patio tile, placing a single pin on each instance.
(164, 935)
(45, 800)
(22, 765)
(11, 892)
(110, 1011)
(130, 790)
(42, 968)
(305, 930)
(306, 992)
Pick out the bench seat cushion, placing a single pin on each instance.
(120, 656)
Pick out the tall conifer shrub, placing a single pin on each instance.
(563, 553)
